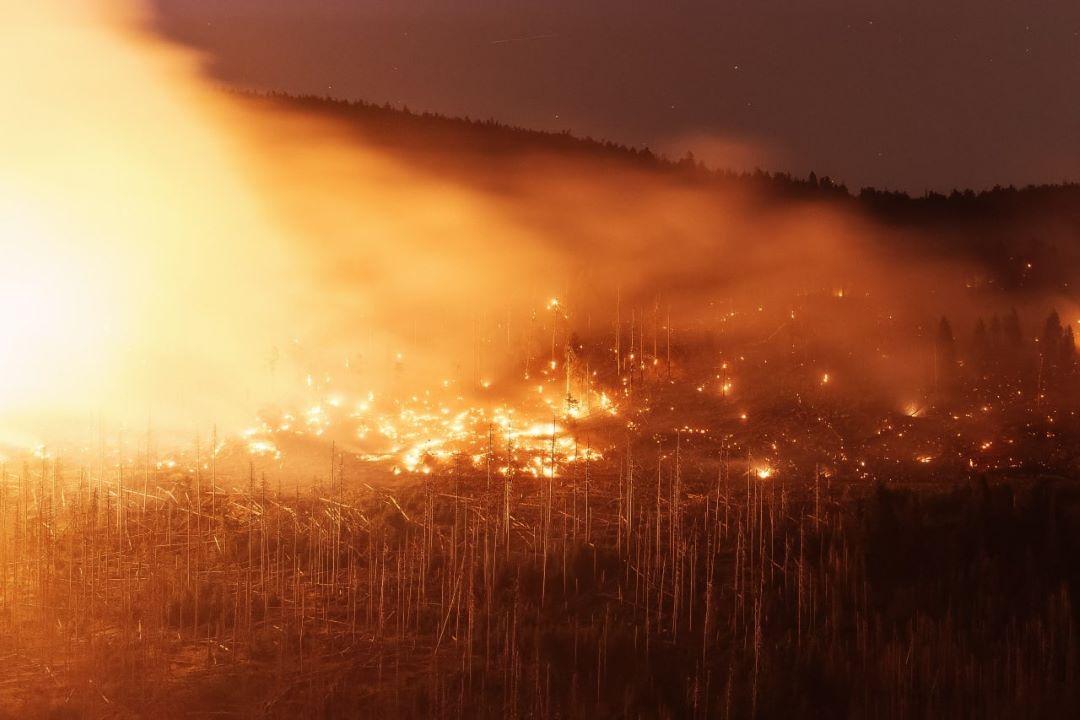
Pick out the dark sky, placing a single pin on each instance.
(908, 94)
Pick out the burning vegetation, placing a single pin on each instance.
(339, 410)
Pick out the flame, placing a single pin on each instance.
(48, 304)
(120, 213)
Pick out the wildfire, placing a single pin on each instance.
(431, 430)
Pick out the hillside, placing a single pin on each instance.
(1029, 237)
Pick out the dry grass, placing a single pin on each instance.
(629, 588)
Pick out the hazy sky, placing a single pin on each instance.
(909, 94)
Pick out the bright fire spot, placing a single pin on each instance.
(763, 472)
(47, 306)
(263, 447)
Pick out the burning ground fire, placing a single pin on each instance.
(430, 431)
(577, 399)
